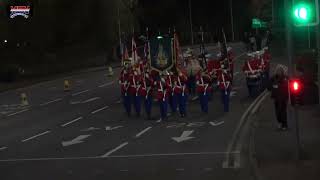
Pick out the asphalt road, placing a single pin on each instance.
(84, 134)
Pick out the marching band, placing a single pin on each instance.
(142, 84)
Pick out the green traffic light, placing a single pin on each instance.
(302, 12)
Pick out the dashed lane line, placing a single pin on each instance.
(107, 84)
(78, 93)
(142, 132)
(98, 110)
(114, 150)
(50, 102)
(19, 112)
(3, 148)
(33, 137)
(68, 123)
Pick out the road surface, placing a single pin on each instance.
(85, 134)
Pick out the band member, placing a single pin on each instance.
(224, 83)
(253, 75)
(204, 89)
(172, 96)
(146, 93)
(182, 92)
(230, 61)
(162, 95)
(135, 85)
(124, 85)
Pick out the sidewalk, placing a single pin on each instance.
(274, 152)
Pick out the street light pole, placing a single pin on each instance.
(292, 112)
(190, 19)
(231, 16)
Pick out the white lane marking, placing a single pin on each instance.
(254, 110)
(98, 110)
(75, 120)
(119, 156)
(50, 102)
(217, 123)
(90, 100)
(90, 129)
(3, 148)
(143, 131)
(114, 150)
(33, 137)
(159, 121)
(109, 128)
(238, 128)
(78, 93)
(107, 84)
(19, 112)
(233, 93)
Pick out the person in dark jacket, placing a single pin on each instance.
(279, 93)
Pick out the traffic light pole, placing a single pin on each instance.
(293, 112)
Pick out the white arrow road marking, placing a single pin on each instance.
(90, 100)
(19, 112)
(33, 137)
(143, 131)
(109, 128)
(184, 137)
(3, 148)
(53, 101)
(216, 123)
(76, 94)
(90, 129)
(76, 140)
(115, 149)
(107, 84)
(98, 110)
(75, 120)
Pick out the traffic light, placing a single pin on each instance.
(296, 92)
(305, 12)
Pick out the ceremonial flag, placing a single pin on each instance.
(180, 65)
(134, 51)
(161, 54)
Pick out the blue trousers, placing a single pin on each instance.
(127, 103)
(173, 103)
(225, 96)
(163, 109)
(182, 100)
(204, 100)
(254, 87)
(148, 105)
(137, 104)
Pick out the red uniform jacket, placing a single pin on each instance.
(231, 60)
(147, 87)
(252, 68)
(171, 83)
(203, 84)
(224, 81)
(135, 84)
(181, 85)
(161, 87)
(124, 81)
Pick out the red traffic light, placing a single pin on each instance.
(295, 86)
